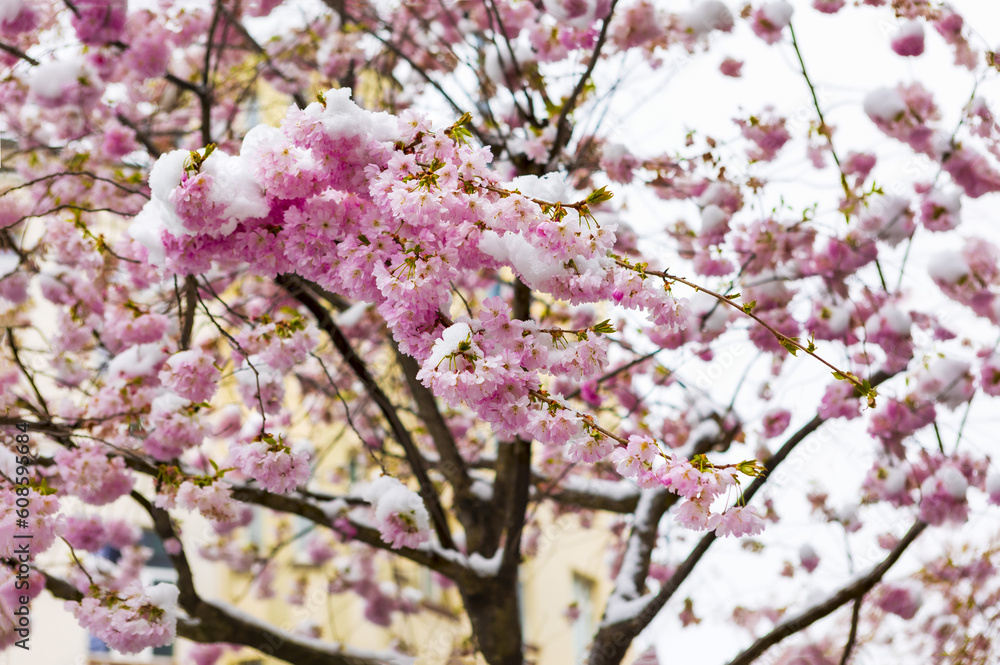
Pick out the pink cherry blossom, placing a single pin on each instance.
(909, 41)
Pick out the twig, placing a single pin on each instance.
(18, 53)
(563, 131)
(854, 591)
(853, 635)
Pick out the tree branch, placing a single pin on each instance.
(364, 533)
(325, 322)
(215, 622)
(563, 131)
(190, 296)
(300, 101)
(467, 507)
(613, 639)
(852, 636)
(164, 528)
(854, 591)
(18, 53)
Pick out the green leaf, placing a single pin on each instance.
(604, 327)
(790, 346)
(748, 306)
(599, 196)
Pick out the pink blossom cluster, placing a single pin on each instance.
(768, 135)
(899, 600)
(828, 6)
(776, 421)
(939, 210)
(400, 515)
(14, 587)
(380, 599)
(888, 483)
(17, 17)
(192, 374)
(909, 41)
(89, 473)
(950, 25)
(175, 426)
(279, 345)
(90, 532)
(904, 113)
(271, 463)
(970, 276)
(352, 171)
(99, 21)
(637, 25)
(989, 374)
(971, 171)
(43, 521)
(894, 420)
(770, 19)
(943, 497)
(130, 622)
(642, 461)
(211, 499)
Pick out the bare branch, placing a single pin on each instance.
(613, 639)
(191, 297)
(563, 130)
(854, 591)
(18, 53)
(852, 636)
(427, 491)
(217, 623)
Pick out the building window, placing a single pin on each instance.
(583, 626)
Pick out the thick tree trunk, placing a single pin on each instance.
(496, 620)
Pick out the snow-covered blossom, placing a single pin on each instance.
(141, 360)
(909, 41)
(939, 211)
(707, 15)
(943, 497)
(808, 557)
(137, 618)
(770, 19)
(191, 374)
(400, 515)
(948, 381)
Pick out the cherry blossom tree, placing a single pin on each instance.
(445, 253)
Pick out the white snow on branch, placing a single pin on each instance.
(612, 490)
(475, 562)
(625, 602)
(330, 648)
